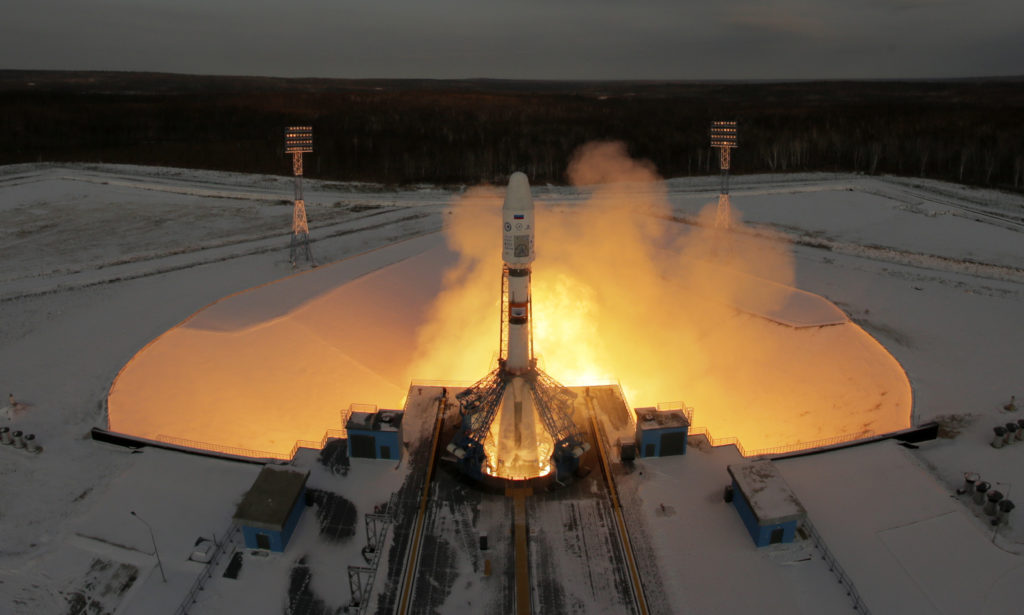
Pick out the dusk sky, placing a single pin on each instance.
(530, 39)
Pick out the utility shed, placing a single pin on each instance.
(765, 502)
(271, 509)
(661, 432)
(375, 435)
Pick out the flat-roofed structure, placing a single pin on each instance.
(661, 432)
(271, 509)
(767, 505)
(375, 435)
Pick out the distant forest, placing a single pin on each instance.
(456, 132)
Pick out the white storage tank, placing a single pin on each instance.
(979, 492)
(993, 498)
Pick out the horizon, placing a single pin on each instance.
(561, 40)
(639, 81)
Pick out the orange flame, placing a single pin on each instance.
(621, 294)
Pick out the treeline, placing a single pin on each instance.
(968, 131)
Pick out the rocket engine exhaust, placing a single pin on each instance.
(517, 421)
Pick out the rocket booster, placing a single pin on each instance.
(517, 252)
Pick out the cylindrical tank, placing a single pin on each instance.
(1011, 432)
(30, 443)
(970, 479)
(993, 498)
(1003, 511)
(19, 441)
(5, 435)
(1020, 429)
(518, 359)
(1000, 438)
(979, 492)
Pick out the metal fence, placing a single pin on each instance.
(779, 450)
(835, 568)
(226, 546)
(330, 434)
(219, 448)
(687, 411)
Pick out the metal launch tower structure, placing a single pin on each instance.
(723, 136)
(297, 141)
(517, 421)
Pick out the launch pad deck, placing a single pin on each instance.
(575, 556)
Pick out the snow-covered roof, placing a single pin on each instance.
(652, 418)
(769, 495)
(271, 498)
(382, 420)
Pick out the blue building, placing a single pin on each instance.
(271, 509)
(661, 432)
(375, 435)
(765, 503)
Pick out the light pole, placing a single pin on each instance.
(155, 550)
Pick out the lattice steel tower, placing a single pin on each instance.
(297, 141)
(723, 136)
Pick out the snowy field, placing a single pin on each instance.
(98, 261)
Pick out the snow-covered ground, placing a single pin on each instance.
(97, 261)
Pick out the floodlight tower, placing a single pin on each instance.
(723, 136)
(297, 141)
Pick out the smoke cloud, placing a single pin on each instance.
(673, 312)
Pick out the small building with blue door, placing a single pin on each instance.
(375, 435)
(660, 433)
(271, 509)
(766, 504)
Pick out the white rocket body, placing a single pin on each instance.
(517, 219)
(517, 432)
(517, 252)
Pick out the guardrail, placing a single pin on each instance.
(219, 448)
(330, 434)
(265, 454)
(835, 568)
(779, 450)
(677, 405)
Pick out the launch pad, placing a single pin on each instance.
(532, 545)
(519, 447)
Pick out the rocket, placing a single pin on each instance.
(517, 253)
(517, 421)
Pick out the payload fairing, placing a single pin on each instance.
(517, 421)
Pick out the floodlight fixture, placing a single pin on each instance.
(723, 134)
(298, 139)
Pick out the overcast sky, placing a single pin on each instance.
(540, 39)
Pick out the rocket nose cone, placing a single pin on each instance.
(517, 196)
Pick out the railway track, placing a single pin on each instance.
(566, 550)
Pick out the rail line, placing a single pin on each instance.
(524, 601)
(627, 547)
(417, 537)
